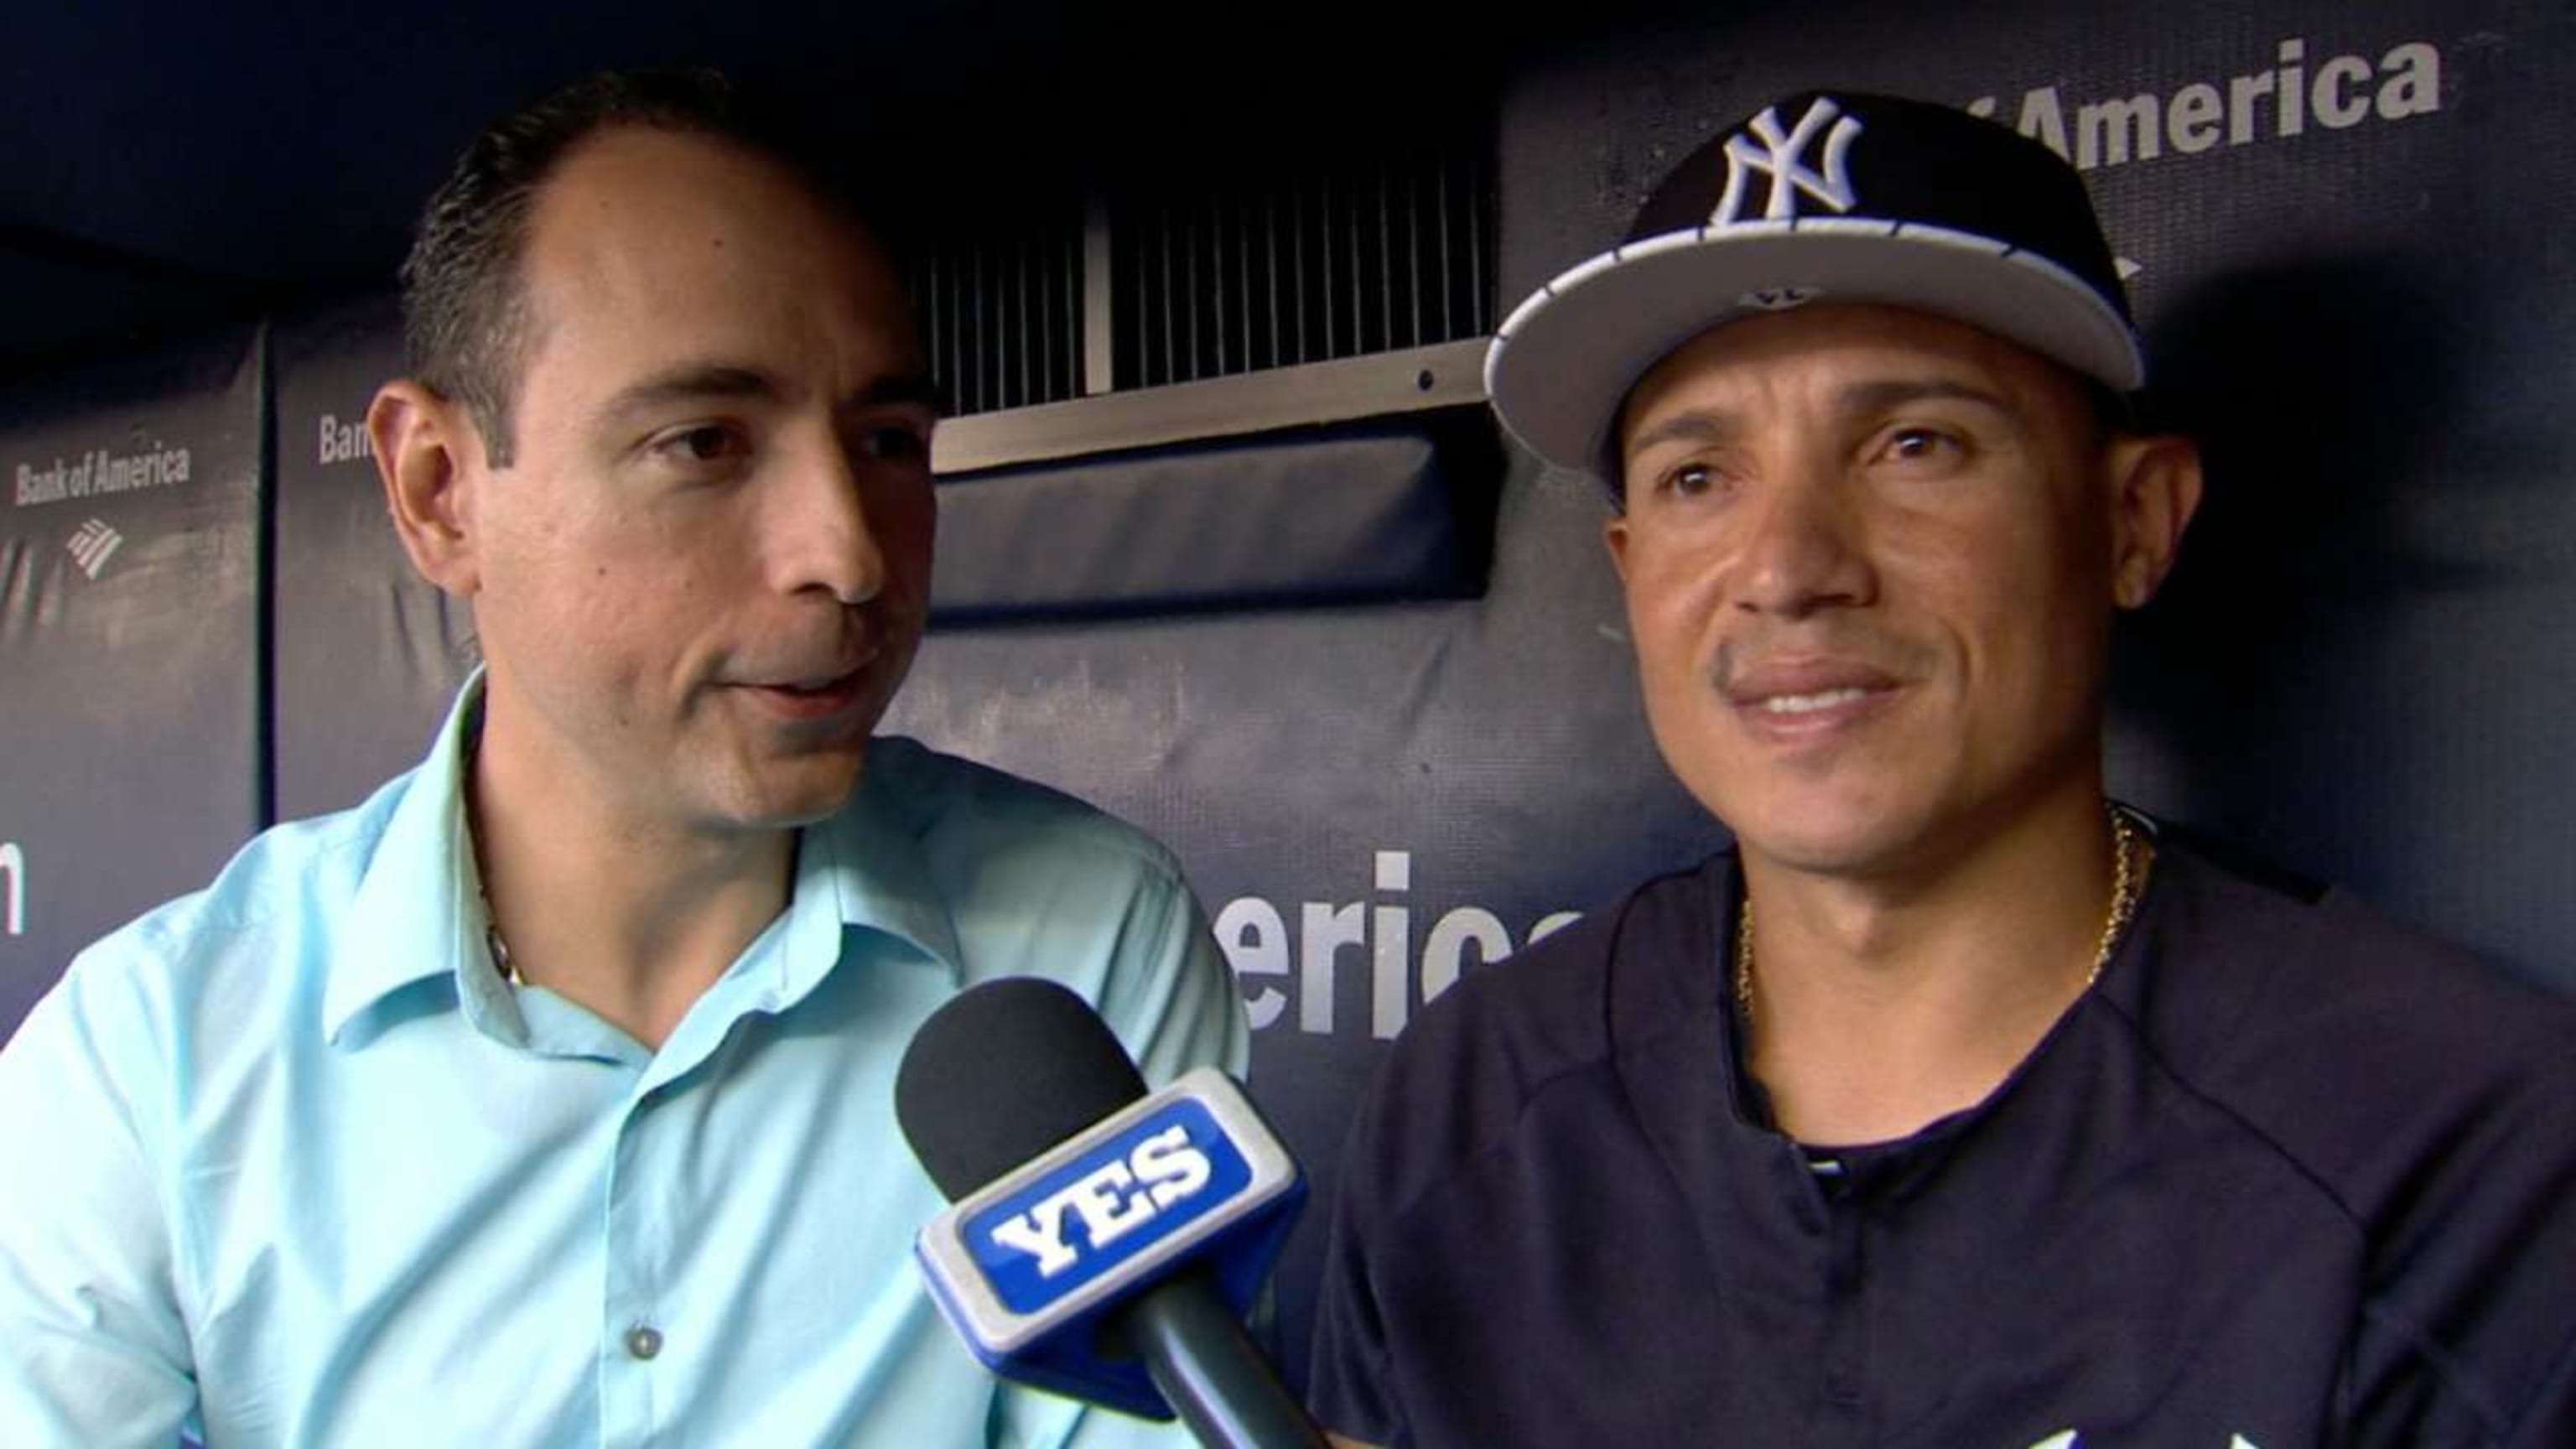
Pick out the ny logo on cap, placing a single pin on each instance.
(1781, 159)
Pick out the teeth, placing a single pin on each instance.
(1810, 703)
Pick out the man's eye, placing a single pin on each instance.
(705, 443)
(1689, 480)
(895, 443)
(1918, 445)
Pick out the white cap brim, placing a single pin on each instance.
(1566, 359)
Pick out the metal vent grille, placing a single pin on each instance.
(1366, 249)
(1388, 251)
(1001, 311)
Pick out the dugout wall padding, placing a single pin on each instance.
(368, 653)
(130, 759)
(1395, 508)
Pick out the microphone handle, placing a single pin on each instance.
(1197, 1353)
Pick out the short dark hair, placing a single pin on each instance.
(464, 300)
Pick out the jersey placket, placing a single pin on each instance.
(1841, 1207)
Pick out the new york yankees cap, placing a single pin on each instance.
(1820, 197)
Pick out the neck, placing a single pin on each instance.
(630, 918)
(1882, 1003)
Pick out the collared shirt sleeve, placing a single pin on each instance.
(93, 1343)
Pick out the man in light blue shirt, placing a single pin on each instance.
(546, 1098)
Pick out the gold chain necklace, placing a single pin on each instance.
(493, 945)
(496, 944)
(499, 948)
(2132, 856)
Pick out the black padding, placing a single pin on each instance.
(1390, 509)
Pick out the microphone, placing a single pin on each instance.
(1102, 1243)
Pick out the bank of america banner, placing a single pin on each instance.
(367, 653)
(129, 632)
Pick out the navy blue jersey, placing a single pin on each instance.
(2288, 1174)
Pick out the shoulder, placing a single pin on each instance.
(2267, 988)
(1461, 1078)
(158, 1027)
(958, 808)
(1034, 882)
(2429, 1096)
(199, 985)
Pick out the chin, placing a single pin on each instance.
(1809, 856)
(1820, 839)
(812, 792)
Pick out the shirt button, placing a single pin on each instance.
(644, 1342)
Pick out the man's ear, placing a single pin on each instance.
(2155, 483)
(428, 452)
(1614, 534)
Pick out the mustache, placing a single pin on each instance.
(1738, 658)
(853, 638)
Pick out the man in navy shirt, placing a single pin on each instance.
(1953, 1106)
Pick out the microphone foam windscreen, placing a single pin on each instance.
(1002, 1072)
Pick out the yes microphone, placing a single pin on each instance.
(1102, 1243)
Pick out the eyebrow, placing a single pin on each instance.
(691, 382)
(1698, 425)
(716, 382)
(1716, 425)
(1876, 397)
(915, 388)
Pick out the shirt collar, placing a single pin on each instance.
(418, 911)
(870, 866)
(419, 905)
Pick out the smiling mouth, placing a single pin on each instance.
(1798, 704)
(837, 684)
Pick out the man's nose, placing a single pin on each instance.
(825, 535)
(1804, 548)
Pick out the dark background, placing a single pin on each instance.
(2360, 671)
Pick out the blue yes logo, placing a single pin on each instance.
(1107, 1206)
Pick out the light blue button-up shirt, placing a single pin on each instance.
(286, 1161)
